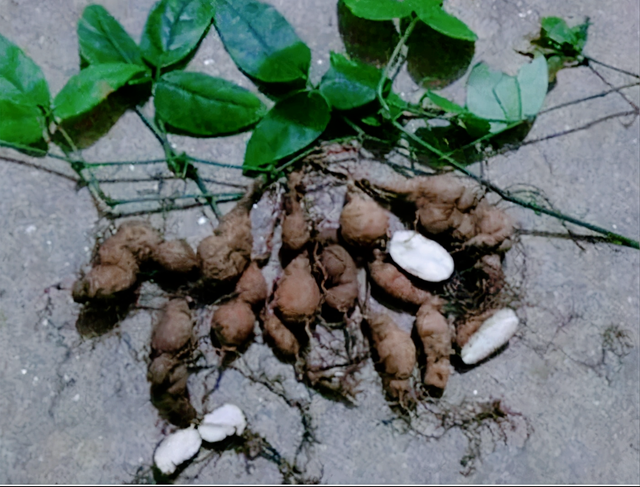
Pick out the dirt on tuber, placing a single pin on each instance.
(297, 296)
(435, 335)
(340, 278)
(394, 282)
(363, 223)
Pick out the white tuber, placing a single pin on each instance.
(420, 256)
(494, 333)
(225, 421)
(177, 448)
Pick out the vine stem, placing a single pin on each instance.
(619, 70)
(612, 237)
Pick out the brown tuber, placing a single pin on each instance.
(363, 223)
(137, 237)
(393, 282)
(297, 296)
(470, 324)
(492, 227)
(225, 254)
(233, 323)
(174, 329)
(104, 282)
(295, 230)
(434, 333)
(252, 287)
(340, 278)
(396, 352)
(279, 336)
(175, 256)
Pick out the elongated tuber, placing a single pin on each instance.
(295, 230)
(436, 340)
(279, 336)
(363, 223)
(396, 352)
(393, 282)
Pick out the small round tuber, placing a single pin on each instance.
(340, 278)
(252, 287)
(363, 222)
(297, 296)
(233, 323)
(136, 236)
(174, 329)
(104, 282)
(175, 256)
(295, 230)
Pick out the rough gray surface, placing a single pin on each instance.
(77, 409)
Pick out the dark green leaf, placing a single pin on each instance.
(379, 9)
(261, 41)
(20, 124)
(173, 30)
(91, 86)
(446, 105)
(103, 40)
(290, 125)
(349, 84)
(580, 35)
(432, 14)
(203, 105)
(396, 104)
(557, 30)
(21, 79)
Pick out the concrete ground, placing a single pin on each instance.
(76, 409)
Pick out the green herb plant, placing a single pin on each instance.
(353, 99)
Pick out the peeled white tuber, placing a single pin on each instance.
(177, 448)
(420, 256)
(225, 421)
(494, 333)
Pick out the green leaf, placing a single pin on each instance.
(91, 86)
(557, 30)
(498, 97)
(173, 30)
(203, 105)
(103, 40)
(20, 124)
(21, 80)
(533, 80)
(290, 125)
(446, 105)
(260, 41)
(379, 9)
(349, 84)
(432, 14)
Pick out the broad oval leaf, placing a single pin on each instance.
(481, 99)
(260, 41)
(557, 30)
(21, 79)
(379, 9)
(291, 125)
(103, 40)
(173, 30)
(20, 124)
(432, 14)
(91, 86)
(203, 105)
(349, 84)
(533, 80)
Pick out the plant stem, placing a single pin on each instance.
(619, 70)
(612, 237)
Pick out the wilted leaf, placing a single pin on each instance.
(261, 41)
(500, 98)
(349, 84)
(290, 125)
(21, 80)
(20, 124)
(91, 86)
(432, 14)
(173, 30)
(379, 9)
(103, 40)
(203, 105)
